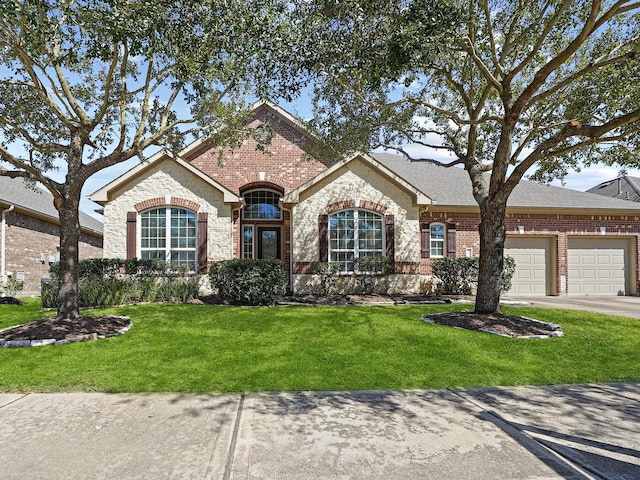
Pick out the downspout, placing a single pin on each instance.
(3, 245)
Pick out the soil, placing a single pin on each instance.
(64, 329)
(509, 325)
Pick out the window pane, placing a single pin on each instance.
(247, 242)
(437, 232)
(182, 236)
(261, 205)
(353, 233)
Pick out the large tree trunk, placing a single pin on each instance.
(492, 237)
(68, 291)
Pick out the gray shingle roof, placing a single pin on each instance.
(451, 187)
(13, 191)
(624, 188)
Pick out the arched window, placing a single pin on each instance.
(352, 234)
(437, 239)
(169, 234)
(261, 205)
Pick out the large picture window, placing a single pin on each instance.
(352, 234)
(169, 234)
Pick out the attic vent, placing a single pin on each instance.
(263, 134)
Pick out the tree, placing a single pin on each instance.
(87, 84)
(505, 87)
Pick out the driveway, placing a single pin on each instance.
(621, 306)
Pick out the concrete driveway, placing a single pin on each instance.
(622, 306)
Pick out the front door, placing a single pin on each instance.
(269, 243)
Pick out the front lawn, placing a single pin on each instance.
(201, 348)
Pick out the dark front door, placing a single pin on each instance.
(269, 243)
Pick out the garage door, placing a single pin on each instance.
(598, 266)
(532, 256)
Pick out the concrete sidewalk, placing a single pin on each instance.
(576, 431)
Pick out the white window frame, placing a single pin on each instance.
(248, 252)
(357, 251)
(437, 241)
(168, 249)
(272, 193)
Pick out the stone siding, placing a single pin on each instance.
(356, 185)
(168, 180)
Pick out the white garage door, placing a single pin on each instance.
(598, 266)
(532, 256)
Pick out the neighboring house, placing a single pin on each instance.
(206, 205)
(623, 187)
(29, 235)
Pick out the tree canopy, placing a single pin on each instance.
(505, 88)
(87, 84)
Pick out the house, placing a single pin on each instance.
(623, 187)
(29, 235)
(204, 205)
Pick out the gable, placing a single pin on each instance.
(158, 162)
(366, 172)
(284, 161)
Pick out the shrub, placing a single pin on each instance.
(12, 286)
(113, 281)
(326, 273)
(177, 288)
(370, 269)
(458, 276)
(244, 281)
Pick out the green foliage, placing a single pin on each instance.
(458, 276)
(371, 272)
(455, 276)
(326, 273)
(12, 286)
(178, 288)
(244, 281)
(114, 281)
(88, 85)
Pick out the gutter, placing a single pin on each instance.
(3, 246)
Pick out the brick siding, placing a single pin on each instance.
(285, 163)
(30, 239)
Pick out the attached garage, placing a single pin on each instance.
(533, 257)
(598, 266)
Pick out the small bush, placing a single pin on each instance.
(177, 288)
(369, 270)
(326, 273)
(12, 286)
(244, 281)
(458, 276)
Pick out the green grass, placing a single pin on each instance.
(200, 348)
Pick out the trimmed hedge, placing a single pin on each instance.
(244, 281)
(458, 276)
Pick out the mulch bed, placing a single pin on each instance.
(500, 323)
(64, 329)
